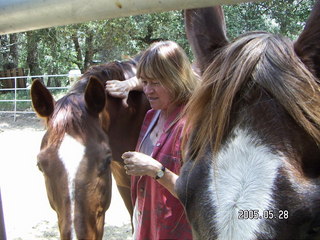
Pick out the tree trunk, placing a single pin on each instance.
(14, 49)
(6, 66)
(14, 58)
(32, 54)
(75, 40)
(4, 50)
(89, 52)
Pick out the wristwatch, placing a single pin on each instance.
(160, 173)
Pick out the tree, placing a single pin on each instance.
(32, 52)
(286, 17)
(57, 50)
(289, 15)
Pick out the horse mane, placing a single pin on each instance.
(102, 72)
(256, 60)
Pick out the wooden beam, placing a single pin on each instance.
(26, 15)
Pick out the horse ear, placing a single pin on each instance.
(307, 46)
(95, 95)
(42, 100)
(206, 33)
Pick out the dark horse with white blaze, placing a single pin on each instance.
(87, 131)
(252, 164)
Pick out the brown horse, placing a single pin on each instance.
(87, 131)
(252, 165)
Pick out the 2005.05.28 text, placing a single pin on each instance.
(265, 214)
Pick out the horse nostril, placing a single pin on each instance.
(39, 167)
(100, 213)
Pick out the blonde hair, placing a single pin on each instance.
(167, 62)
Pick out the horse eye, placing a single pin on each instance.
(108, 159)
(105, 164)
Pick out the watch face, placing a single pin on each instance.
(160, 174)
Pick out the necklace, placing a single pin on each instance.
(157, 133)
(158, 129)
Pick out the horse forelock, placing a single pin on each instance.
(254, 62)
(72, 117)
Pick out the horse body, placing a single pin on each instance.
(86, 132)
(253, 129)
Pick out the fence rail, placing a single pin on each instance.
(15, 96)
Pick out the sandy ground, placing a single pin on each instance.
(27, 212)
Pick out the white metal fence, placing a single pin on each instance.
(6, 95)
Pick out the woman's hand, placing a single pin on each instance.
(118, 89)
(121, 89)
(139, 164)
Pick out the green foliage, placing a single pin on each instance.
(114, 39)
(9, 105)
(286, 17)
(289, 15)
(131, 35)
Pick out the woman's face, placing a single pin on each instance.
(158, 96)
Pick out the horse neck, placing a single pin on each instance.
(125, 123)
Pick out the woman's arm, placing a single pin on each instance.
(139, 164)
(169, 181)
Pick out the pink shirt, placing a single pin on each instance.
(160, 214)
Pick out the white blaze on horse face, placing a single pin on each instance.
(244, 177)
(71, 153)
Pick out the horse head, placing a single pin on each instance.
(253, 129)
(75, 158)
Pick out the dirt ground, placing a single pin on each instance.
(27, 212)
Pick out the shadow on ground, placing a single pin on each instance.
(20, 121)
(45, 230)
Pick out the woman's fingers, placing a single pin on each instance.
(127, 155)
(118, 89)
(116, 85)
(124, 102)
(129, 167)
(131, 162)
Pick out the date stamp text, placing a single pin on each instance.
(265, 214)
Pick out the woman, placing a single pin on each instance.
(165, 74)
